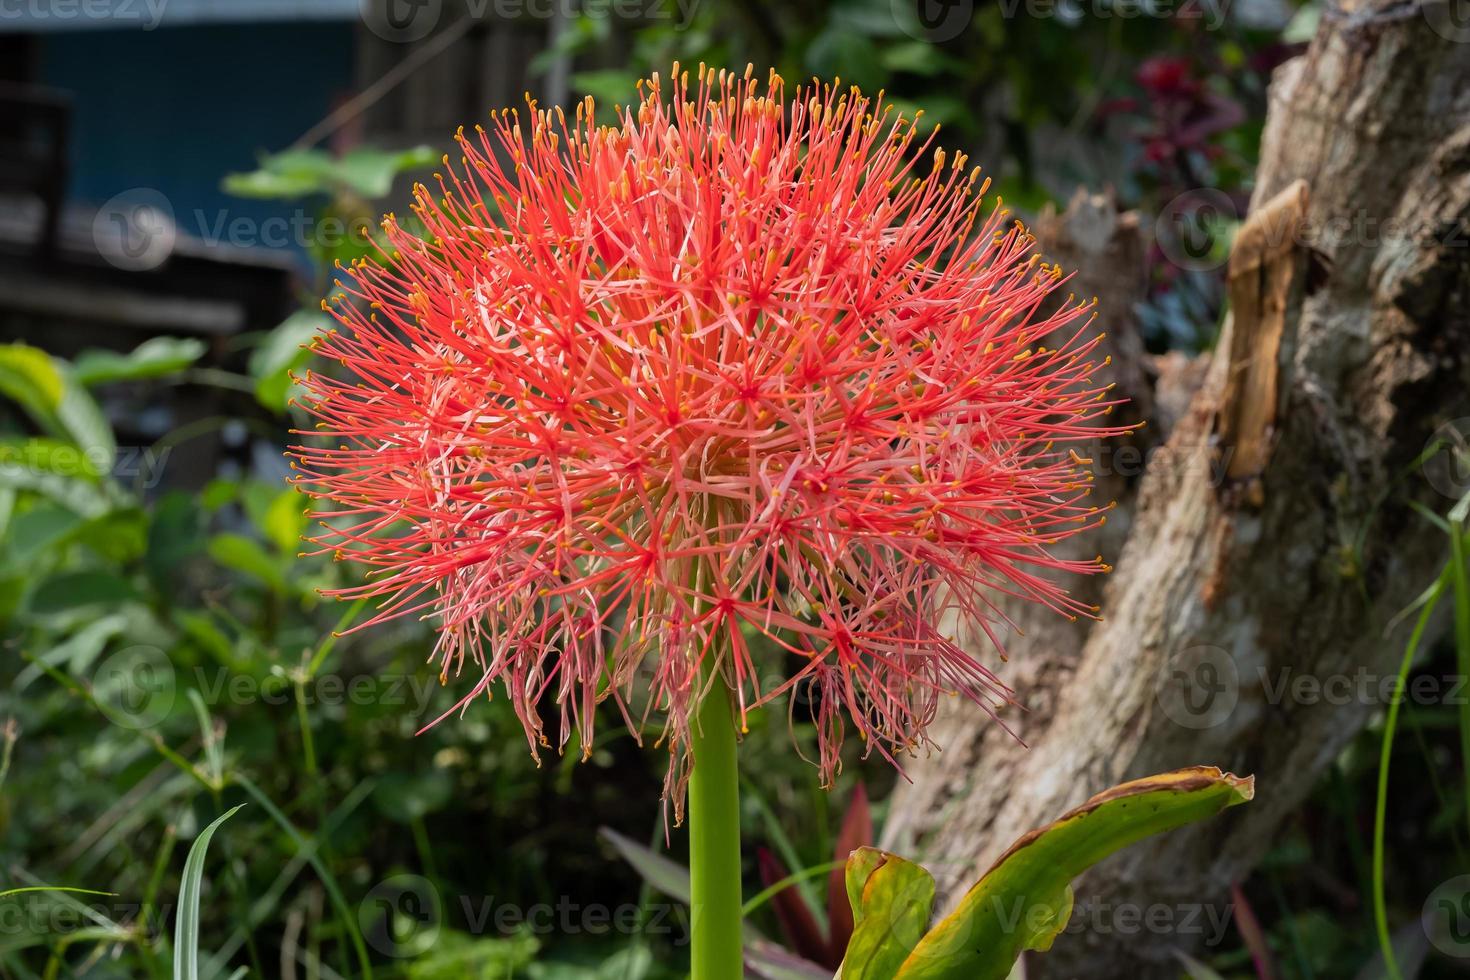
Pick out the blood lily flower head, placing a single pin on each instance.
(740, 386)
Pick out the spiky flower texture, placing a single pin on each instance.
(649, 412)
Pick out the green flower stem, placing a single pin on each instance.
(714, 841)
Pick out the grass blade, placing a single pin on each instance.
(784, 847)
(1461, 580)
(334, 893)
(805, 874)
(665, 875)
(53, 888)
(1390, 728)
(186, 929)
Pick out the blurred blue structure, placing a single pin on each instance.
(170, 95)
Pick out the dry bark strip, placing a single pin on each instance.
(1327, 388)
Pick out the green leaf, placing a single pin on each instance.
(405, 797)
(876, 18)
(153, 358)
(40, 528)
(49, 393)
(370, 172)
(938, 110)
(186, 929)
(918, 58)
(608, 86)
(118, 537)
(300, 173)
(268, 185)
(846, 53)
(891, 902)
(197, 626)
(70, 590)
(175, 535)
(634, 962)
(80, 496)
(1025, 900)
(577, 35)
(860, 866)
(56, 457)
(281, 352)
(219, 492)
(285, 520)
(458, 956)
(80, 650)
(29, 377)
(665, 875)
(286, 175)
(247, 556)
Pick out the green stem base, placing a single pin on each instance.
(714, 842)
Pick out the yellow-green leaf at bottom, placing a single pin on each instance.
(891, 901)
(1024, 901)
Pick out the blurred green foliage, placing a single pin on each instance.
(169, 656)
(1152, 102)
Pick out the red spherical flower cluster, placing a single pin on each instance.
(644, 412)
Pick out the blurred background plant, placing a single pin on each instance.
(172, 209)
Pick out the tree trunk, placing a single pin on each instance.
(1270, 538)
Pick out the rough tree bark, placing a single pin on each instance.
(1269, 537)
